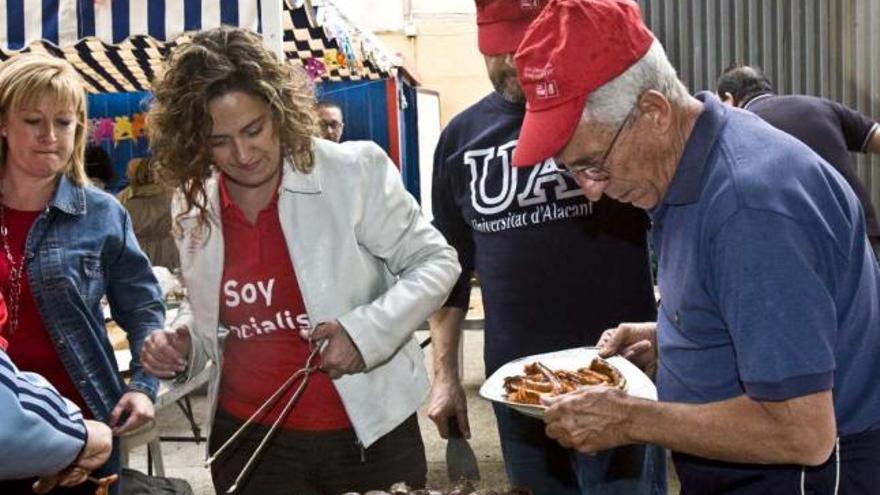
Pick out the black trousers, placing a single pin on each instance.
(23, 487)
(852, 469)
(317, 463)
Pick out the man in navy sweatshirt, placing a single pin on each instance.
(555, 271)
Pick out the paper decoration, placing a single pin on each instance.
(331, 62)
(104, 130)
(348, 36)
(122, 129)
(117, 129)
(139, 125)
(315, 68)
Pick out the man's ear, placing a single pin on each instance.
(656, 108)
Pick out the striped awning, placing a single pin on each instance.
(63, 23)
(119, 45)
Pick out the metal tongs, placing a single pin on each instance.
(304, 372)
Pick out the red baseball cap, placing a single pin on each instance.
(501, 24)
(573, 48)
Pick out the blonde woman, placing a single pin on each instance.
(293, 238)
(64, 245)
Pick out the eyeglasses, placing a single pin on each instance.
(596, 171)
(331, 124)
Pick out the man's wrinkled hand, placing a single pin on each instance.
(589, 420)
(447, 399)
(636, 342)
(165, 352)
(340, 356)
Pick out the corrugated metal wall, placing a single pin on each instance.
(827, 48)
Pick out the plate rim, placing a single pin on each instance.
(537, 411)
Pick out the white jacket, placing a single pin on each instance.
(362, 253)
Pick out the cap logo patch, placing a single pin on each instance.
(544, 86)
(528, 5)
(546, 89)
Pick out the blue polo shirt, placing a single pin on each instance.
(768, 284)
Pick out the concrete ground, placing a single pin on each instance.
(184, 460)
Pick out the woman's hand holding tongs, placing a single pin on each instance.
(339, 355)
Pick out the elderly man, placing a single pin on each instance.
(594, 256)
(770, 291)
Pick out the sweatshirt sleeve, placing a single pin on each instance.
(41, 433)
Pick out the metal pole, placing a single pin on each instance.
(273, 30)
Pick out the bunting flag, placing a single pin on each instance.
(120, 45)
(333, 48)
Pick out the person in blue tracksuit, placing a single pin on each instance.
(42, 433)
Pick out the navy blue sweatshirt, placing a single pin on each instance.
(555, 269)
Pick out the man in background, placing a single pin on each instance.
(330, 120)
(832, 130)
(555, 270)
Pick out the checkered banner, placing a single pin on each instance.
(331, 48)
(119, 45)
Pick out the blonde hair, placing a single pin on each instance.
(139, 173)
(214, 63)
(29, 77)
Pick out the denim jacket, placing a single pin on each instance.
(80, 248)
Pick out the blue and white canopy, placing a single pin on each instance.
(119, 45)
(65, 22)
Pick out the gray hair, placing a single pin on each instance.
(611, 103)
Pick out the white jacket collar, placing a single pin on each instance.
(295, 181)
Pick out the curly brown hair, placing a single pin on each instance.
(214, 63)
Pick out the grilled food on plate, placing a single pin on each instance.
(537, 380)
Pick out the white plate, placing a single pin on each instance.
(637, 383)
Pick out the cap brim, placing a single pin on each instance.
(544, 133)
(498, 38)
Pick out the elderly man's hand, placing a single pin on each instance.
(340, 356)
(590, 420)
(636, 342)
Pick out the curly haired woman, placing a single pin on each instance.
(287, 240)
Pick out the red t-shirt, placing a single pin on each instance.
(261, 305)
(30, 346)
